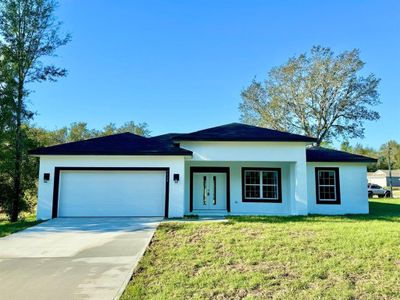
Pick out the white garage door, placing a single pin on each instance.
(111, 193)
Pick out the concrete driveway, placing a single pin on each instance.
(73, 258)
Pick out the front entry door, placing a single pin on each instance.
(209, 191)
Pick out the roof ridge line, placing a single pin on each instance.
(94, 138)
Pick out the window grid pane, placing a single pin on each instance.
(252, 191)
(270, 192)
(261, 185)
(252, 177)
(270, 177)
(327, 185)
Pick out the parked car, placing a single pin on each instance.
(374, 189)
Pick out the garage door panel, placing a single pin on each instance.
(112, 193)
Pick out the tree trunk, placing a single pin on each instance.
(15, 210)
(390, 170)
(320, 137)
(319, 141)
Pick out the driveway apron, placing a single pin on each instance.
(73, 258)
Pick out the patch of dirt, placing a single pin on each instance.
(256, 292)
(250, 232)
(302, 234)
(171, 227)
(195, 238)
(397, 262)
(279, 270)
(237, 295)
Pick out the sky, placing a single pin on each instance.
(180, 65)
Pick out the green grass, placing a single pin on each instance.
(313, 257)
(6, 227)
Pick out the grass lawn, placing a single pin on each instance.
(313, 257)
(6, 227)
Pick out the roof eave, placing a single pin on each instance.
(310, 140)
(343, 161)
(111, 154)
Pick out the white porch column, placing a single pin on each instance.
(299, 205)
(176, 190)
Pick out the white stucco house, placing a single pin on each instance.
(234, 169)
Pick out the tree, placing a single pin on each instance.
(6, 100)
(389, 153)
(131, 126)
(29, 32)
(39, 137)
(78, 131)
(362, 150)
(317, 94)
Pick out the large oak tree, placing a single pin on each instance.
(318, 94)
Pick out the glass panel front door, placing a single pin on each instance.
(209, 191)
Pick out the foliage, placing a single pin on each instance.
(317, 94)
(132, 127)
(7, 227)
(299, 257)
(39, 137)
(78, 131)
(394, 155)
(361, 150)
(29, 169)
(29, 32)
(381, 154)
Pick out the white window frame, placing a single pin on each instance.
(336, 186)
(327, 185)
(261, 186)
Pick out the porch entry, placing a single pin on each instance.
(209, 189)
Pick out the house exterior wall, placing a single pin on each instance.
(246, 151)
(353, 189)
(298, 177)
(238, 207)
(48, 163)
(289, 156)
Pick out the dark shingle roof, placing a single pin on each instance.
(167, 137)
(117, 144)
(320, 154)
(242, 132)
(131, 144)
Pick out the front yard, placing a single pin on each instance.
(350, 257)
(6, 227)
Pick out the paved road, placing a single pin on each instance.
(73, 258)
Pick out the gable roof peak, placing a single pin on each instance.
(242, 132)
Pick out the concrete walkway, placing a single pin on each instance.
(73, 258)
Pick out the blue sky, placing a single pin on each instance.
(180, 65)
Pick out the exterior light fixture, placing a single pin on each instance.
(46, 177)
(176, 178)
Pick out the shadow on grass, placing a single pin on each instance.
(379, 211)
(384, 209)
(7, 228)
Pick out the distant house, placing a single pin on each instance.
(381, 177)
